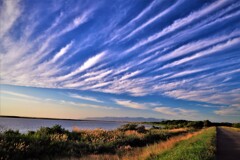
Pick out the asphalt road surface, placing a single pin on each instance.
(228, 144)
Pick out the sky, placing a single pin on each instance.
(177, 59)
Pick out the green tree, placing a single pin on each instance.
(207, 123)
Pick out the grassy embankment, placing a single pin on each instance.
(49, 143)
(199, 147)
(142, 153)
(232, 128)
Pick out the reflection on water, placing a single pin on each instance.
(25, 124)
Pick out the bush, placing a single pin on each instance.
(56, 129)
(141, 129)
(195, 124)
(207, 123)
(129, 126)
(236, 125)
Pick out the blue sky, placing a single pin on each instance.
(174, 59)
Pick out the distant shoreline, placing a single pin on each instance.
(67, 119)
(45, 118)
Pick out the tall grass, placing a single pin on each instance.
(232, 129)
(142, 153)
(54, 142)
(200, 147)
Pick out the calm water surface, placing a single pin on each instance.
(25, 124)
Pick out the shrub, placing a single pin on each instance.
(141, 129)
(195, 124)
(207, 123)
(236, 125)
(128, 126)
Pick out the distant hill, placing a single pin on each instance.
(125, 119)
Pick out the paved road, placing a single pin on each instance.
(228, 144)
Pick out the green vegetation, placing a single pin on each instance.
(133, 126)
(54, 142)
(236, 125)
(173, 124)
(49, 143)
(200, 147)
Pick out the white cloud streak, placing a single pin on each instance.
(153, 19)
(130, 104)
(229, 111)
(212, 50)
(63, 51)
(175, 111)
(9, 12)
(86, 65)
(84, 98)
(198, 61)
(20, 95)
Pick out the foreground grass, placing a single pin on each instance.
(143, 153)
(199, 147)
(56, 142)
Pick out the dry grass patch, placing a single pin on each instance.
(178, 130)
(152, 150)
(232, 128)
(142, 153)
(199, 147)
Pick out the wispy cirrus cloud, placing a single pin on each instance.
(86, 65)
(212, 50)
(233, 110)
(191, 18)
(149, 49)
(175, 111)
(10, 11)
(136, 105)
(83, 18)
(84, 97)
(153, 19)
(20, 95)
(61, 52)
(130, 104)
(77, 104)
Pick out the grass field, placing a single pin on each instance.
(142, 153)
(56, 142)
(199, 147)
(233, 128)
(130, 141)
